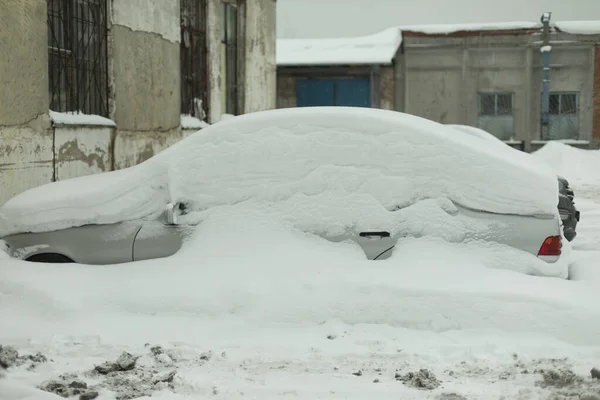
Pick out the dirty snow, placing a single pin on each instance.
(579, 27)
(370, 161)
(379, 48)
(79, 118)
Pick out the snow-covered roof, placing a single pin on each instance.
(579, 27)
(374, 49)
(446, 29)
(381, 48)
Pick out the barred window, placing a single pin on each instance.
(77, 56)
(193, 53)
(496, 114)
(564, 116)
(229, 57)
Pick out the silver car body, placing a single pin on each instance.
(142, 240)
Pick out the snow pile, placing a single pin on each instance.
(379, 48)
(79, 118)
(355, 164)
(279, 275)
(579, 166)
(579, 27)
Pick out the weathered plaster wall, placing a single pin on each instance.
(571, 70)
(596, 98)
(260, 79)
(214, 27)
(387, 89)
(132, 148)
(82, 150)
(440, 77)
(146, 77)
(155, 16)
(25, 136)
(286, 91)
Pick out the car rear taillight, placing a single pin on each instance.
(551, 246)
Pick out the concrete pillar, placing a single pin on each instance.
(26, 155)
(260, 80)
(528, 115)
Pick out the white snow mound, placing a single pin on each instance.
(254, 268)
(347, 162)
(579, 166)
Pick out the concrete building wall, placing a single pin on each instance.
(26, 153)
(214, 26)
(82, 150)
(144, 88)
(596, 98)
(387, 89)
(439, 77)
(286, 91)
(571, 71)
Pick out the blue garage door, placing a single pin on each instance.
(333, 92)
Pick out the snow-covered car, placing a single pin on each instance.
(566, 203)
(366, 175)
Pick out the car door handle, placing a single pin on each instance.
(375, 234)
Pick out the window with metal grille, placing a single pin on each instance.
(77, 56)
(564, 116)
(496, 114)
(229, 57)
(193, 54)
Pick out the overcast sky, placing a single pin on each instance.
(338, 18)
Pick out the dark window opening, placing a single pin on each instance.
(77, 56)
(193, 53)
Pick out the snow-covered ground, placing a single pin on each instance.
(252, 309)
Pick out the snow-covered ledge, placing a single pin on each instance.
(79, 118)
(191, 124)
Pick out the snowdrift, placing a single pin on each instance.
(255, 268)
(325, 161)
(579, 166)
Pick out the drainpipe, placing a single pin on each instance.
(546, 48)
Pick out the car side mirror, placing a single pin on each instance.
(171, 214)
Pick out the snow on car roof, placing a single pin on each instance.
(476, 132)
(320, 162)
